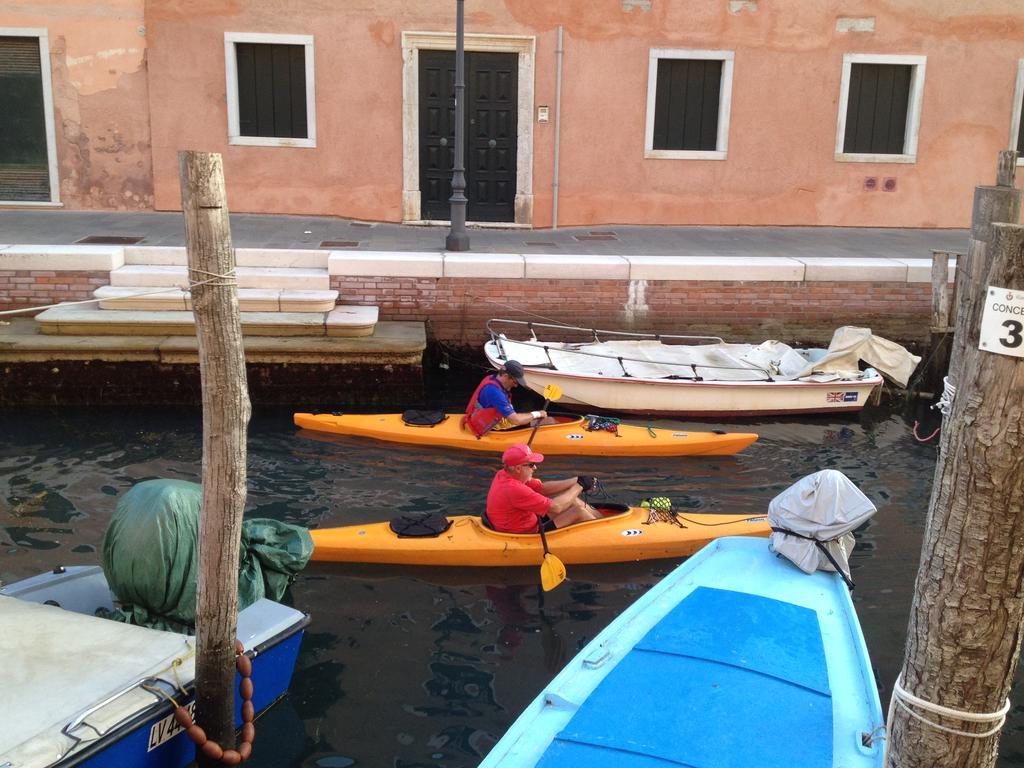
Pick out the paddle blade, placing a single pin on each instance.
(552, 572)
(552, 392)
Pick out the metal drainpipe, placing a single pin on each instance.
(558, 120)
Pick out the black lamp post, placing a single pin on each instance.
(458, 238)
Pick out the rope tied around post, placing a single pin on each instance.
(229, 279)
(905, 700)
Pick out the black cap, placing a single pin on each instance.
(514, 369)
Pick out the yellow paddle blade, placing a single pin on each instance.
(552, 572)
(552, 392)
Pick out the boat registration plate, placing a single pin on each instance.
(166, 729)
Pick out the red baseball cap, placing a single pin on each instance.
(520, 453)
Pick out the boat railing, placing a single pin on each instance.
(147, 684)
(573, 348)
(530, 326)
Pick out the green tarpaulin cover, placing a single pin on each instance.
(151, 555)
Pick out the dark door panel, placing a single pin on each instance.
(493, 103)
(491, 109)
(437, 129)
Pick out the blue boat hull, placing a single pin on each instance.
(735, 659)
(134, 743)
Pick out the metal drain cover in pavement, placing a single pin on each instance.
(339, 244)
(110, 240)
(543, 245)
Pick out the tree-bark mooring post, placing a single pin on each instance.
(967, 618)
(226, 411)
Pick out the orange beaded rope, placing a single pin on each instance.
(211, 748)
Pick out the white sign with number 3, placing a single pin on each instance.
(1002, 322)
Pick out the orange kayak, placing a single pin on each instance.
(620, 537)
(568, 437)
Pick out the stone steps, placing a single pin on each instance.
(285, 294)
(90, 320)
(393, 344)
(249, 299)
(173, 275)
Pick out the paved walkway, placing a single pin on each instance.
(21, 227)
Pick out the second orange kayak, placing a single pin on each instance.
(568, 437)
(624, 535)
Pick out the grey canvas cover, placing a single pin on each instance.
(822, 507)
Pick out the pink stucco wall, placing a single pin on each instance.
(100, 98)
(780, 168)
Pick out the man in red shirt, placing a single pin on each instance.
(519, 503)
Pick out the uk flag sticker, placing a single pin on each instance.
(842, 397)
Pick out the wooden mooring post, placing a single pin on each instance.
(226, 411)
(992, 204)
(967, 618)
(940, 330)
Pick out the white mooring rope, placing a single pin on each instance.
(945, 401)
(228, 279)
(905, 700)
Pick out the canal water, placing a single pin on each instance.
(428, 667)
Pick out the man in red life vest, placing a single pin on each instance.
(520, 503)
(490, 407)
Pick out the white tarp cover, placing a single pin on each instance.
(651, 359)
(850, 345)
(825, 506)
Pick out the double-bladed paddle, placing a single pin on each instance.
(552, 570)
(551, 392)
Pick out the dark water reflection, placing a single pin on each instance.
(427, 667)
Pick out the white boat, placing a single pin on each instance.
(670, 375)
(79, 690)
(736, 658)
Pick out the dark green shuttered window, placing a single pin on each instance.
(24, 165)
(272, 90)
(686, 104)
(1020, 129)
(877, 108)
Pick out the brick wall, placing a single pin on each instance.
(457, 309)
(33, 288)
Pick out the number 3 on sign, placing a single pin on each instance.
(1002, 322)
(1014, 328)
